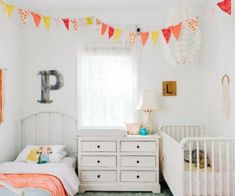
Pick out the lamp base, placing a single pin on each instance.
(146, 123)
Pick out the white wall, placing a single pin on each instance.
(218, 51)
(9, 58)
(57, 49)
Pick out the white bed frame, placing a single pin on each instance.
(217, 180)
(47, 128)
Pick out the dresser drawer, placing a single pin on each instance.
(98, 161)
(138, 161)
(138, 176)
(99, 146)
(98, 176)
(138, 146)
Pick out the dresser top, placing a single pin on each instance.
(127, 137)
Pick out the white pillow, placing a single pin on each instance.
(57, 157)
(22, 157)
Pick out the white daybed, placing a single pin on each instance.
(185, 178)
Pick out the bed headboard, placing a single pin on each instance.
(48, 128)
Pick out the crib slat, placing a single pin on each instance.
(190, 169)
(228, 167)
(205, 169)
(198, 170)
(220, 168)
(213, 166)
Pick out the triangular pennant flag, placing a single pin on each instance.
(103, 28)
(98, 22)
(89, 20)
(9, 9)
(144, 37)
(36, 18)
(23, 15)
(225, 6)
(47, 22)
(117, 34)
(132, 38)
(166, 34)
(57, 22)
(193, 24)
(66, 22)
(111, 32)
(155, 35)
(75, 24)
(2, 3)
(176, 30)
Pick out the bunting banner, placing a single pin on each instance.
(66, 22)
(47, 22)
(103, 28)
(75, 24)
(176, 30)
(144, 37)
(117, 34)
(193, 24)
(132, 38)
(57, 22)
(225, 6)
(89, 20)
(37, 18)
(23, 15)
(166, 34)
(111, 32)
(9, 9)
(155, 35)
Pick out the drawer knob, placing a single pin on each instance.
(98, 161)
(138, 146)
(138, 176)
(98, 146)
(98, 176)
(137, 161)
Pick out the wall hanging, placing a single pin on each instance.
(226, 95)
(169, 88)
(46, 87)
(184, 49)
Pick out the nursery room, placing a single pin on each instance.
(109, 97)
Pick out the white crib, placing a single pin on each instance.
(185, 178)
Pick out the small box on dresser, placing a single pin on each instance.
(128, 163)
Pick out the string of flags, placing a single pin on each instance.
(112, 32)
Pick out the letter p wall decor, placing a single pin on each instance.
(46, 87)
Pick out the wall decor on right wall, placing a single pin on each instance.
(169, 88)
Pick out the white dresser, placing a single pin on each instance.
(128, 163)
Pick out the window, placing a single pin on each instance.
(107, 86)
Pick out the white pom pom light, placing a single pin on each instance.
(185, 50)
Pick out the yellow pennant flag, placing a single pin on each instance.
(89, 21)
(155, 35)
(47, 21)
(117, 34)
(9, 9)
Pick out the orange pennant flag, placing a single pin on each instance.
(144, 37)
(9, 9)
(193, 24)
(176, 30)
(75, 24)
(155, 35)
(103, 28)
(23, 15)
(47, 21)
(36, 18)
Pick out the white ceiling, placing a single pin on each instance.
(99, 4)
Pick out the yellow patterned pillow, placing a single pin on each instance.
(33, 156)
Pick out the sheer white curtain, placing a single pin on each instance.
(107, 85)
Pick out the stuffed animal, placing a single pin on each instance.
(44, 154)
(194, 158)
(33, 156)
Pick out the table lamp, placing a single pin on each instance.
(148, 102)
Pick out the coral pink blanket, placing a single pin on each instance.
(43, 181)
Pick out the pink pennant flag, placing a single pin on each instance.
(37, 18)
(75, 24)
(132, 38)
(103, 28)
(98, 22)
(144, 37)
(176, 30)
(111, 32)
(66, 22)
(57, 22)
(166, 34)
(193, 24)
(23, 15)
(225, 6)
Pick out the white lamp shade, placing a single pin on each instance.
(148, 101)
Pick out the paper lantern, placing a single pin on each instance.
(184, 50)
